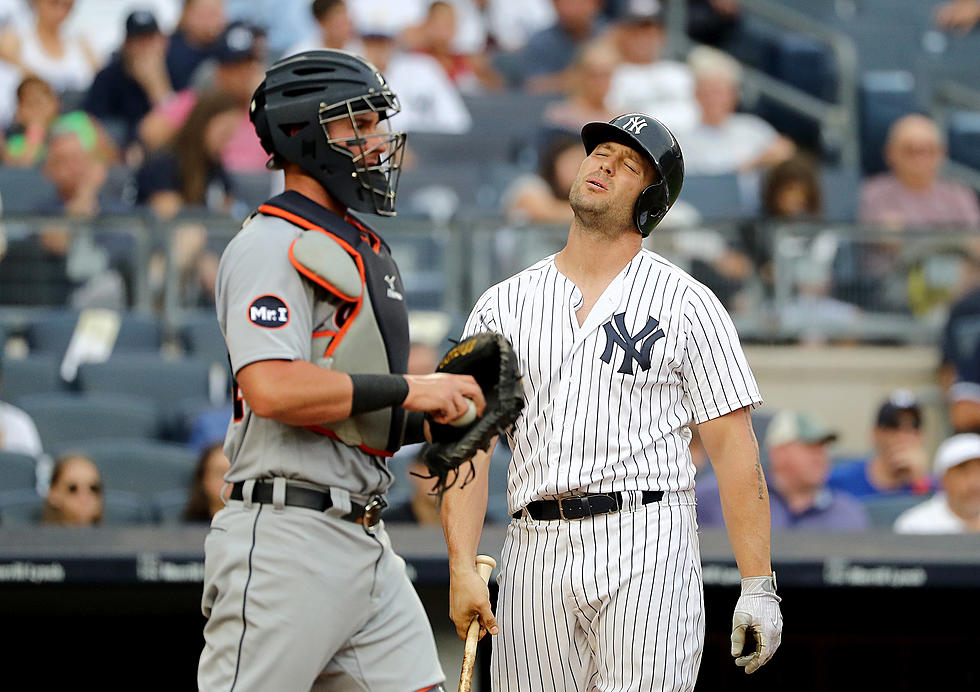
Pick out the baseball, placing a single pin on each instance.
(468, 417)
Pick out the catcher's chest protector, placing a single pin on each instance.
(370, 331)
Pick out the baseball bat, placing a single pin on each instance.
(484, 565)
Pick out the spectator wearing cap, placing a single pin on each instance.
(135, 80)
(195, 40)
(957, 508)
(899, 463)
(799, 497)
(643, 81)
(430, 101)
(240, 54)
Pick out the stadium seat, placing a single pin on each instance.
(169, 384)
(964, 138)
(24, 190)
(883, 511)
(252, 189)
(716, 197)
(139, 466)
(201, 336)
(64, 419)
(31, 375)
(17, 471)
(840, 194)
(52, 332)
(20, 507)
(883, 98)
(169, 505)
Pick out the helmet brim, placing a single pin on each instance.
(595, 133)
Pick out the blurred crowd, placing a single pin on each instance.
(156, 93)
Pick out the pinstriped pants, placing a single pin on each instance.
(608, 603)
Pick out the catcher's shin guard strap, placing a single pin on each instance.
(373, 392)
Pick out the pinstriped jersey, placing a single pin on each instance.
(609, 403)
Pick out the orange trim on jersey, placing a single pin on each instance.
(320, 430)
(372, 238)
(326, 332)
(310, 226)
(316, 278)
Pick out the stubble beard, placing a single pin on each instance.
(601, 217)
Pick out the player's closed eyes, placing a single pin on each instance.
(94, 488)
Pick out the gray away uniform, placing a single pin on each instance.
(300, 599)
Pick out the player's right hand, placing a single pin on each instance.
(469, 597)
(443, 396)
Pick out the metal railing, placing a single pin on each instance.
(781, 282)
(838, 119)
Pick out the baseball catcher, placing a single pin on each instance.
(491, 360)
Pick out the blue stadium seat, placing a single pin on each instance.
(883, 98)
(20, 507)
(716, 197)
(202, 338)
(840, 194)
(964, 138)
(24, 190)
(31, 375)
(252, 189)
(883, 511)
(169, 505)
(169, 384)
(119, 508)
(139, 466)
(64, 419)
(17, 471)
(52, 331)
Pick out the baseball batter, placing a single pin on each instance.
(302, 589)
(621, 351)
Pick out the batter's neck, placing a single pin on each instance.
(591, 259)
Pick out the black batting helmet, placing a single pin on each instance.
(651, 138)
(291, 111)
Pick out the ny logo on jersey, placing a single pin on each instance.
(619, 335)
(635, 124)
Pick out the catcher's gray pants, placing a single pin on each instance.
(299, 600)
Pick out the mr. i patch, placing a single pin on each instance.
(268, 311)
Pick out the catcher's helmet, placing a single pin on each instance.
(301, 95)
(651, 138)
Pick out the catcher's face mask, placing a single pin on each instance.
(360, 129)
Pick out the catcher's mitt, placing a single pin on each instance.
(491, 360)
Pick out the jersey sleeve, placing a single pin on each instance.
(716, 374)
(265, 307)
(484, 317)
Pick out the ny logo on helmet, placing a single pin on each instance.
(635, 124)
(619, 335)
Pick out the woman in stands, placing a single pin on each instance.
(75, 494)
(205, 496)
(45, 49)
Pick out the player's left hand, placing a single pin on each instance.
(757, 610)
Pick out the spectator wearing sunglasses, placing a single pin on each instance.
(75, 494)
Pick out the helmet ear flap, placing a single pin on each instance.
(650, 208)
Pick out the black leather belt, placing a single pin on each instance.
(582, 506)
(318, 500)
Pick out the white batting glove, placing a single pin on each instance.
(757, 610)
